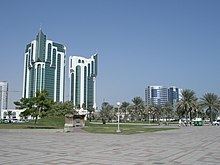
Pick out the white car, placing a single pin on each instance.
(14, 120)
(216, 122)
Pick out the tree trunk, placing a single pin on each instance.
(35, 122)
(90, 118)
(103, 121)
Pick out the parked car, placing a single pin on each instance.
(14, 120)
(6, 121)
(216, 122)
(206, 120)
(196, 119)
(21, 121)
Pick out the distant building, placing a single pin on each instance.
(174, 95)
(82, 77)
(156, 95)
(3, 95)
(44, 68)
(160, 95)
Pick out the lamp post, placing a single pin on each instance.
(118, 104)
(149, 117)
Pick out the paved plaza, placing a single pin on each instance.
(184, 146)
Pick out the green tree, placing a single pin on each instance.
(180, 112)
(9, 114)
(188, 102)
(131, 112)
(106, 113)
(90, 109)
(211, 103)
(36, 106)
(155, 112)
(139, 107)
(42, 103)
(27, 104)
(167, 110)
(24, 114)
(124, 109)
(84, 106)
(61, 109)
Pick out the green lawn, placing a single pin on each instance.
(58, 123)
(125, 129)
(45, 123)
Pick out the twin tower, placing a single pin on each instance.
(45, 68)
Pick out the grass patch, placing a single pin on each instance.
(55, 122)
(125, 129)
(58, 123)
(45, 123)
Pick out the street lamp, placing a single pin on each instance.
(118, 104)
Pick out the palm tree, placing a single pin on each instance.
(9, 113)
(138, 106)
(131, 112)
(155, 111)
(124, 106)
(106, 113)
(180, 112)
(188, 102)
(211, 102)
(167, 109)
(90, 109)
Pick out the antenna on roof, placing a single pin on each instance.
(40, 27)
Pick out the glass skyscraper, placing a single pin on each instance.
(82, 76)
(156, 95)
(160, 95)
(174, 95)
(44, 68)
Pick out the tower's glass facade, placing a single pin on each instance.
(44, 68)
(82, 75)
(174, 94)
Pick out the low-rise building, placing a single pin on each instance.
(12, 114)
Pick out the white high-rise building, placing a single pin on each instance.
(160, 95)
(44, 68)
(156, 95)
(82, 76)
(3, 95)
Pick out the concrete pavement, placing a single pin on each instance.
(184, 146)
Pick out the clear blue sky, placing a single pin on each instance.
(140, 42)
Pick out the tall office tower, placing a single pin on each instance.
(156, 95)
(3, 95)
(82, 75)
(44, 68)
(174, 95)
